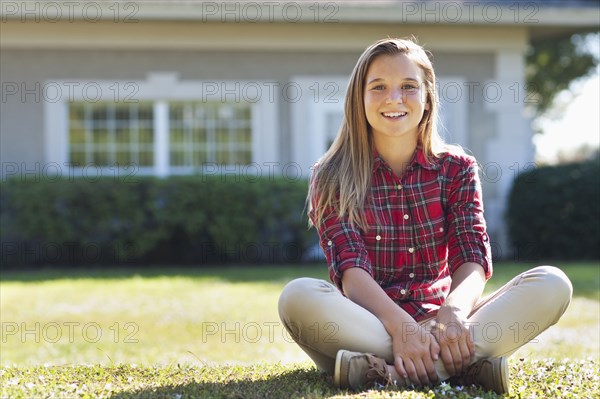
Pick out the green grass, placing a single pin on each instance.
(215, 333)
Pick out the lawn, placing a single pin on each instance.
(215, 333)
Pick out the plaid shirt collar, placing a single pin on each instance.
(418, 158)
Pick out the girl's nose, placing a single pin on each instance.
(396, 96)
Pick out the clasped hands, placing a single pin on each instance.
(417, 347)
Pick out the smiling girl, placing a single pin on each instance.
(400, 219)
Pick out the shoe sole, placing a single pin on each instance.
(504, 379)
(339, 369)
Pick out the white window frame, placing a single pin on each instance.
(320, 94)
(453, 110)
(308, 115)
(160, 88)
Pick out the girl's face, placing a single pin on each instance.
(394, 97)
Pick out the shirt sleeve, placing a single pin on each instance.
(343, 246)
(468, 240)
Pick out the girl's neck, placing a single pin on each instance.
(397, 152)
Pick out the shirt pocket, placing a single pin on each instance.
(430, 237)
(382, 247)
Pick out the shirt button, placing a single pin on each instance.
(378, 237)
(330, 243)
(399, 186)
(403, 292)
(411, 250)
(405, 217)
(411, 275)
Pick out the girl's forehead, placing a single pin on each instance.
(393, 66)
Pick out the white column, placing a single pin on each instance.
(161, 138)
(512, 149)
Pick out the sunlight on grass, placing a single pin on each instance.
(196, 319)
(139, 320)
(216, 333)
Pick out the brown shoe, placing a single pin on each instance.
(356, 370)
(489, 374)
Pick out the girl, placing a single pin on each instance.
(400, 219)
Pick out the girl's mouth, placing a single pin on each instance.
(394, 115)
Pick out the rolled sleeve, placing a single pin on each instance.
(343, 246)
(468, 240)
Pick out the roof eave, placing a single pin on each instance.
(439, 13)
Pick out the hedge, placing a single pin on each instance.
(554, 212)
(176, 220)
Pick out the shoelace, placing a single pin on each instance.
(468, 377)
(377, 372)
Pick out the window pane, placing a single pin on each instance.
(244, 157)
(78, 158)
(101, 137)
(123, 158)
(176, 158)
(222, 157)
(199, 136)
(122, 135)
(77, 136)
(199, 158)
(176, 136)
(146, 158)
(145, 136)
(100, 158)
(122, 114)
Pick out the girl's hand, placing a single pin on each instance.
(415, 350)
(453, 336)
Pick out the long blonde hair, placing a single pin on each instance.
(342, 178)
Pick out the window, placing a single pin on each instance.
(106, 134)
(217, 133)
(165, 127)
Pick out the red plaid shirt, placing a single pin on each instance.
(429, 222)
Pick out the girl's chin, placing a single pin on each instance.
(399, 134)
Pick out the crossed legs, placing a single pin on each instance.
(322, 321)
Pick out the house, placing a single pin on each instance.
(93, 88)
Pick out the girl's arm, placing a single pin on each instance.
(414, 348)
(469, 260)
(451, 331)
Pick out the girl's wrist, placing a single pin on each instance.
(454, 308)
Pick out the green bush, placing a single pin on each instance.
(177, 220)
(554, 212)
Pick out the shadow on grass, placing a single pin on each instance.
(289, 384)
(299, 383)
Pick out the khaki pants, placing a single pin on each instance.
(322, 321)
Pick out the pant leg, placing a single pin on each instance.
(322, 321)
(519, 311)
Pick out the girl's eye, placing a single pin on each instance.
(409, 87)
(378, 87)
